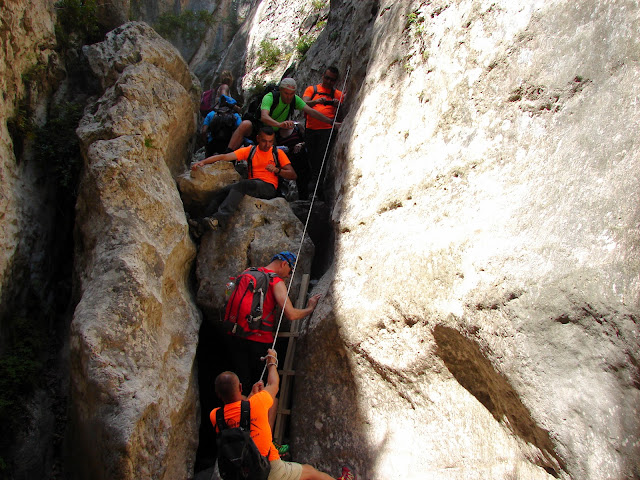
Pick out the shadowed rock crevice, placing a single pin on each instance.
(464, 359)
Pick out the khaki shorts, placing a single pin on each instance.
(281, 470)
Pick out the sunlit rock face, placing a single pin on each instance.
(135, 329)
(198, 187)
(481, 317)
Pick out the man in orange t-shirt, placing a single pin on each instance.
(262, 182)
(229, 390)
(325, 99)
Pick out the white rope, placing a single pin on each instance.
(306, 224)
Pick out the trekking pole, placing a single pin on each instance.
(306, 223)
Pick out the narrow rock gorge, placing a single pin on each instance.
(480, 239)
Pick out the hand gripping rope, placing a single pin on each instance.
(306, 223)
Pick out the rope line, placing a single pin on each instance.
(306, 224)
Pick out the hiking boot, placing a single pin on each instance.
(347, 474)
(211, 222)
(282, 449)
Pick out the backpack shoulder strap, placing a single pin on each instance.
(220, 421)
(276, 158)
(276, 98)
(252, 153)
(245, 415)
(315, 92)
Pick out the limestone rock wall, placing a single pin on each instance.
(28, 42)
(282, 25)
(481, 318)
(135, 329)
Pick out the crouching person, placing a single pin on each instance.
(229, 389)
(262, 181)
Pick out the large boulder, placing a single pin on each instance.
(197, 187)
(134, 332)
(162, 114)
(481, 317)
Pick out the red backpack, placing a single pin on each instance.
(244, 313)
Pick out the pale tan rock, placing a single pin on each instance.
(160, 109)
(28, 48)
(197, 186)
(135, 329)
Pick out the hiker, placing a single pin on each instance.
(325, 99)
(222, 117)
(221, 114)
(246, 344)
(279, 117)
(219, 124)
(262, 181)
(209, 98)
(229, 390)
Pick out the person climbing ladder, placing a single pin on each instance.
(249, 341)
(229, 390)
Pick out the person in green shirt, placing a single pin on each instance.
(280, 118)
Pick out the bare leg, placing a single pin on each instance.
(243, 130)
(310, 473)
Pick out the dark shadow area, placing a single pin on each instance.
(475, 373)
(320, 231)
(213, 358)
(36, 311)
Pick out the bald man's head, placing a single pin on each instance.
(228, 387)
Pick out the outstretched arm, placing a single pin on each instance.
(316, 114)
(273, 379)
(267, 120)
(228, 157)
(292, 313)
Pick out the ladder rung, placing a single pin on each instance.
(287, 372)
(288, 334)
(284, 411)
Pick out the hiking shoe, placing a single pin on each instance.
(211, 222)
(282, 449)
(347, 474)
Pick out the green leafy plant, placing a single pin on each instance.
(268, 54)
(188, 24)
(57, 146)
(304, 44)
(416, 22)
(318, 4)
(77, 23)
(321, 24)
